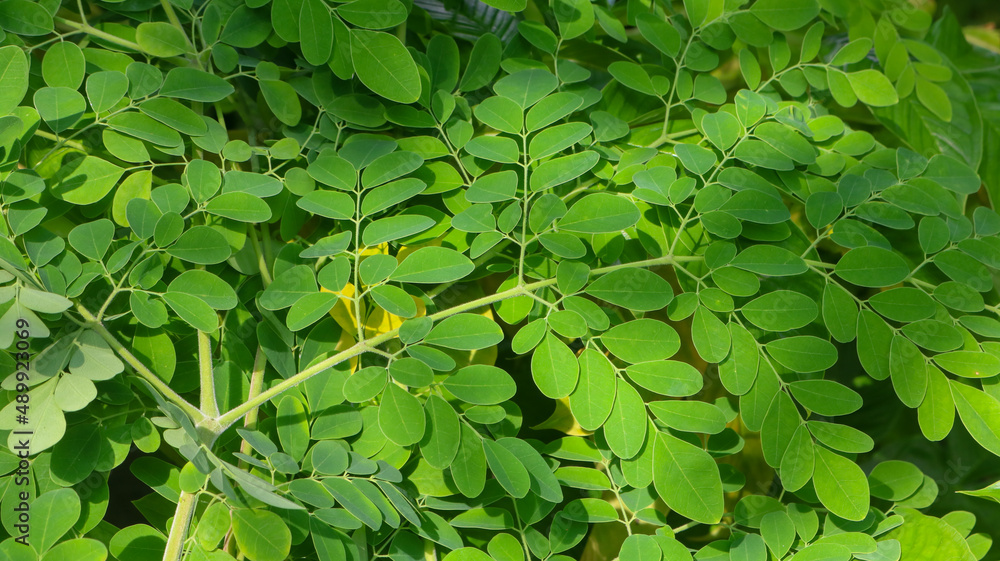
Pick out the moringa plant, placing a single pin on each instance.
(513, 281)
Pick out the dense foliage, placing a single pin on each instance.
(298, 279)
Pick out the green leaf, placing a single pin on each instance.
(484, 61)
(952, 174)
(390, 166)
(554, 368)
(383, 64)
(687, 479)
(309, 309)
(315, 32)
(193, 310)
(778, 428)
(969, 364)
(440, 443)
(696, 159)
(57, 512)
(401, 416)
(92, 239)
(551, 109)
(501, 114)
(242, 207)
(283, 101)
(329, 457)
(76, 455)
(558, 171)
(667, 377)
(778, 532)
(625, 428)
(841, 437)
(641, 548)
(908, 370)
(138, 542)
(798, 461)
(465, 332)
(722, 129)
(874, 342)
(195, 85)
(558, 138)
(433, 264)
(710, 336)
(894, 480)
(936, 413)
(823, 208)
(903, 304)
(63, 65)
(873, 88)
(214, 291)
(781, 310)
(13, 77)
(356, 502)
(575, 17)
(469, 468)
(632, 288)
(923, 538)
(494, 187)
(872, 267)
(633, 76)
(82, 549)
(293, 427)
(769, 260)
(201, 245)
(826, 397)
(161, 39)
(291, 285)
(261, 535)
(509, 471)
(784, 16)
(592, 400)
(690, 416)
(21, 17)
(494, 148)
(373, 14)
(840, 485)
(60, 108)
(145, 128)
(738, 371)
(661, 34)
(526, 87)
(512, 6)
(803, 353)
(978, 411)
(467, 553)
(481, 384)
(642, 340)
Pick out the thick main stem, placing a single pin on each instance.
(178, 529)
(209, 405)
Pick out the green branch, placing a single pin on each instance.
(227, 419)
(140, 368)
(94, 32)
